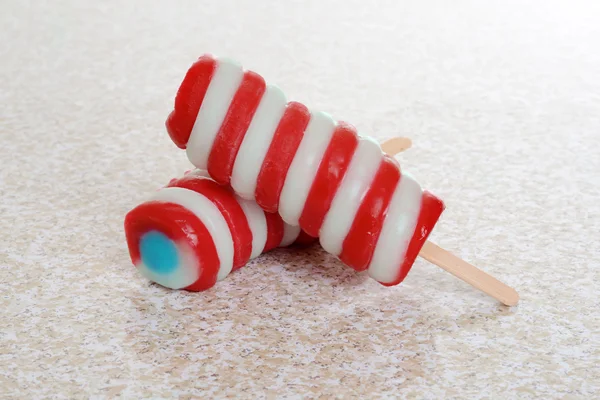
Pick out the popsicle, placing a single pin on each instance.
(194, 232)
(318, 173)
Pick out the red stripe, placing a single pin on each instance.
(274, 231)
(283, 147)
(180, 225)
(231, 210)
(329, 175)
(189, 99)
(431, 209)
(304, 239)
(231, 134)
(360, 242)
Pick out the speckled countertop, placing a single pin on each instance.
(502, 100)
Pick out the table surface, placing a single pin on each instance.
(502, 101)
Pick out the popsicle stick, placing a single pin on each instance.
(396, 145)
(453, 264)
(469, 273)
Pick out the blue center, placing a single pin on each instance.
(158, 252)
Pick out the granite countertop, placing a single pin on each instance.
(502, 101)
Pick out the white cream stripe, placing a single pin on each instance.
(304, 166)
(257, 140)
(220, 92)
(290, 234)
(347, 199)
(258, 225)
(210, 216)
(199, 172)
(397, 231)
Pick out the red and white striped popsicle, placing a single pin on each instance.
(194, 232)
(316, 172)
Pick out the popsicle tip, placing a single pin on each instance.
(396, 145)
(511, 297)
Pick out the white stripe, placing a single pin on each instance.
(220, 92)
(199, 172)
(304, 166)
(355, 184)
(397, 231)
(258, 225)
(290, 234)
(186, 273)
(210, 216)
(256, 142)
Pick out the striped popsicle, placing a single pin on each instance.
(195, 232)
(318, 173)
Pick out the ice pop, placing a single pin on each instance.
(318, 173)
(194, 232)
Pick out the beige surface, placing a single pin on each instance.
(502, 101)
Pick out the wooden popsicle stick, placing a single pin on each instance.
(396, 145)
(453, 264)
(469, 273)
